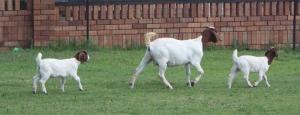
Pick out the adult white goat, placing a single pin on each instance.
(50, 67)
(168, 52)
(249, 64)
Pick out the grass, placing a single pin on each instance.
(105, 81)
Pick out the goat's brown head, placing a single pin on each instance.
(82, 56)
(270, 54)
(210, 34)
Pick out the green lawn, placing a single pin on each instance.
(105, 82)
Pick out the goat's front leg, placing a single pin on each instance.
(78, 81)
(63, 82)
(161, 74)
(266, 81)
(200, 73)
(188, 73)
(260, 77)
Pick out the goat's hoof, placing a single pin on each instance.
(34, 92)
(192, 83)
(169, 87)
(188, 85)
(130, 84)
(80, 89)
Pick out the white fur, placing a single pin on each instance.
(57, 68)
(168, 52)
(248, 64)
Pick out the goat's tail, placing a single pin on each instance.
(148, 37)
(234, 56)
(38, 58)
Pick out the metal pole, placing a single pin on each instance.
(87, 21)
(294, 23)
(32, 11)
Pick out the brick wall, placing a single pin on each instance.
(255, 24)
(44, 22)
(15, 25)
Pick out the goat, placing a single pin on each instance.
(50, 67)
(168, 52)
(249, 64)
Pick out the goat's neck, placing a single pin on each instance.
(76, 61)
(270, 59)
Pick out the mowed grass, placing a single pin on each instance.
(105, 82)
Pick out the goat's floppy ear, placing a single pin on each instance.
(214, 35)
(273, 51)
(81, 56)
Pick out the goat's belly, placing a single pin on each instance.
(59, 75)
(253, 70)
(174, 63)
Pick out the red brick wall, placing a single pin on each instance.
(15, 25)
(255, 24)
(44, 22)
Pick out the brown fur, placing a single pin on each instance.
(82, 56)
(209, 35)
(270, 54)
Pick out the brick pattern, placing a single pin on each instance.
(15, 25)
(44, 22)
(255, 24)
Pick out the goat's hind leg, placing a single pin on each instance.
(246, 77)
(43, 80)
(145, 61)
(35, 79)
(234, 70)
(161, 74)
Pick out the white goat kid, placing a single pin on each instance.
(168, 52)
(249, 64)
(50, 67)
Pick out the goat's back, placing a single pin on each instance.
(58, 67)
(176, 52)
(253, 63)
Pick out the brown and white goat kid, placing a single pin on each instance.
(168, 52)
(248, 64)
(64, 68)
